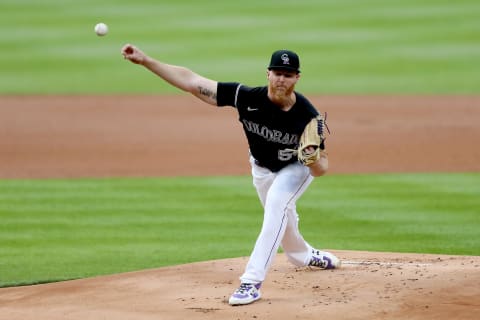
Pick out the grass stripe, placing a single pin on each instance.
(61, 229)
(347, 47)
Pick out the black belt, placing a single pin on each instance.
(258, 163)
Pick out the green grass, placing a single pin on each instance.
(346, 46)
(430, 213)
(54, 230)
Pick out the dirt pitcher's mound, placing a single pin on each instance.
(368, 286)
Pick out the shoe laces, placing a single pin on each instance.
(245, 287)
(317, 262)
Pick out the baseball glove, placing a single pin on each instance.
(312, 140)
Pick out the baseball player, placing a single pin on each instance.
(286, 136)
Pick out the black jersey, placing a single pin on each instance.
(272, 133)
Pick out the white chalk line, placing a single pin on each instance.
(386, 264)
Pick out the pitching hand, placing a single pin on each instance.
(132, 53)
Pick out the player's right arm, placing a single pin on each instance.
(180, 77)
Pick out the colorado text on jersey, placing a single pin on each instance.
(271, 135)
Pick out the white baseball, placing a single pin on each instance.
(101, 29)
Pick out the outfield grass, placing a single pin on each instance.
(62, 229)
(346, 46)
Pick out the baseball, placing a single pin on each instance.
(101, 29)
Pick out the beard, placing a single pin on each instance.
(281, 90)
(282, 96)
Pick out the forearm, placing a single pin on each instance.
(184, 79)
(319, 167)
(177, 76)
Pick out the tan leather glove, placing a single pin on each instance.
(312, 141)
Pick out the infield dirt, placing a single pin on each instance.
(100, 136)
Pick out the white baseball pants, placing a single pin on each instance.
(278, 193)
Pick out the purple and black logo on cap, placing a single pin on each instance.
(286, 60)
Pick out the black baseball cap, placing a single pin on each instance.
(285, 59)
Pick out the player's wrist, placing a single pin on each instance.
(145, 60)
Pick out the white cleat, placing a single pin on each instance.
(324, 260)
